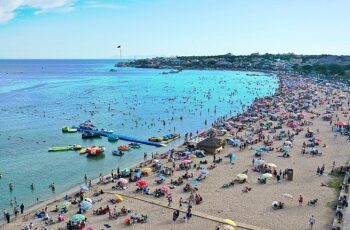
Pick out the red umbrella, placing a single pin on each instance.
(142, 184)
(340, 123)
(164, 188)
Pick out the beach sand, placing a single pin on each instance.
(253, 207)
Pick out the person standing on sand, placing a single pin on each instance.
(312, 221)
(300, 200)
(180, 202)
(22, 208)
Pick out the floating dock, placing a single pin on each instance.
(121, 137)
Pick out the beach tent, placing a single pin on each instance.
(211, 145)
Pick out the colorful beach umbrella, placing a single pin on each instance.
(164, 188)
(84, 188)
(203, 172)
(272, 165)
(119, 197)
(65, 205)
(267, 175)
(146, 170)
(230, 222)
(186, 161)
(287, 195)
(85, 205)
(142, 184)
(122, 181)
(242, 176)
(233, 157)
(77, 218)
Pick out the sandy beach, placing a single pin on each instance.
(253, 207)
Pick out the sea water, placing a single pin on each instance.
(38, 97)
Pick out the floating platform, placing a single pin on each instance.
(121, 137)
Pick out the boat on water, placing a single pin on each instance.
(118, 153)
(86, 135)
(170, 137)
(67, 129)
(93, 150)
(134, 145)
(87, 125)
(65, 148)
(124, 148)
(156, 139)
(112, 138)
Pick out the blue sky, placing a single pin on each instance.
(93, 28)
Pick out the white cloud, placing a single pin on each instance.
(8, 8)
(96, 4)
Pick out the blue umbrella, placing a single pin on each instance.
(84, 188)
(195, 182)
(204, 172)
(233, 157)
(162, 177)
(85, 205)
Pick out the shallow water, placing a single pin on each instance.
(38, 97)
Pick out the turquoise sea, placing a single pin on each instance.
(38, 97)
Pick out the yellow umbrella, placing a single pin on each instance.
(119, 197)
(272, 165)
(146, 170)
(267, 175)
(242, 176)
(230, 222)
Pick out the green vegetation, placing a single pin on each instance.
(337, 179)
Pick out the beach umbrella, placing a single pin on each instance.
(230, 222)
(77, 218)
(274, 203)
(88, 200)
(122, 181)
(84, 188)
(195, 182)
(162, 177)
(272, 165)
(64, 205)
(233, 157)
(242, 176)
(85, 205)
(203, 172)
(164, 188)
(288, 143)
(267, 175)
(119, 197)
(287, 195)
(186, 161)
(259, 162)
(142, 184)
(146, 170)
(228, 227)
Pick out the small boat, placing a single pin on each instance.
(112, 138)
(117, 153)
(124, 148)
(156, 139)
(134, 145)
(87, 125)
(86, 135)
(67, 129)
(93, 149)
(64, 148)
(171, 137)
